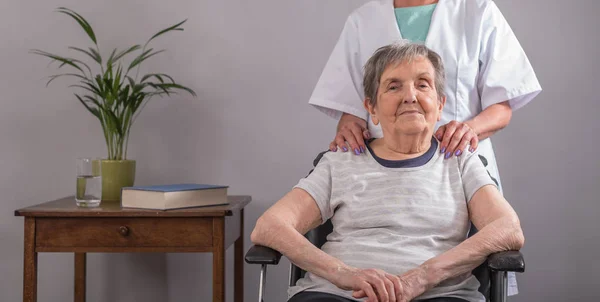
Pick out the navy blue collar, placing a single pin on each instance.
(406, 163)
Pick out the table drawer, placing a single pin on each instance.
(123, 232)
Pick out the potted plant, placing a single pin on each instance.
(114, 95)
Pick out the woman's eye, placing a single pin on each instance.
(393, 88)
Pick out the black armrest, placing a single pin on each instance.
(510, 261)
(258, 254)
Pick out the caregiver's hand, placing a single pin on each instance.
(454, 137)
(374, 284)
(353, 130)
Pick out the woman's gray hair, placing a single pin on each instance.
(395, 54)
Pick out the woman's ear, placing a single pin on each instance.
(441, 104)
(371, 109)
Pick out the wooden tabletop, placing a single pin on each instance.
(66, 207)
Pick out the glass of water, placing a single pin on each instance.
(89, 183)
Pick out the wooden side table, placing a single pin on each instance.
(61, 226)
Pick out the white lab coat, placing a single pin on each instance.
(484, 62)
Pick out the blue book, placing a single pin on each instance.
(173, 196)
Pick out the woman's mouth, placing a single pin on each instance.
(410, 112)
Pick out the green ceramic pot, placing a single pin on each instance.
(116, 174)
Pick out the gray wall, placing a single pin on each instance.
(254, 64)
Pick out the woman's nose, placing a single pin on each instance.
(409, 98)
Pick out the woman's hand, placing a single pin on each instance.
(353, 130)
(406, 287)
(454, 137)
(374, 284)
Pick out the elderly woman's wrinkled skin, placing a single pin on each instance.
(407, 107)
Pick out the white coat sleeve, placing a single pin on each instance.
(340, 87)
(505, 71)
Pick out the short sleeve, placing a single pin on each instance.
(474, 175)
(319, 184)
(340, 87)
(505, 71)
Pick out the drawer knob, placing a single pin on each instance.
(124, 230)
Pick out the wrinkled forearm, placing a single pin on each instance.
(491, 120)
(503, 234)
(272, 232)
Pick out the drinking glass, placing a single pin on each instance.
(89, 183)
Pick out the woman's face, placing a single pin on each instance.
(407, 101)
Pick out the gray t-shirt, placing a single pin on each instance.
(395, 215)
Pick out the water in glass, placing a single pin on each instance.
(89, 183)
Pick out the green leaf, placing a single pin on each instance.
(116, 122)
(96, 53)
(82, 22)
(138, 101)
(66, 61)
(100, 86)
(131, 81)
(93, 100)
(156, 93)
(56, 76)
(109, 63)
(109, 90)
(170, 86)
(124, 94)
(93, 55)
(83, 87)
(168, 29)
(159, 87)
(94, 111)
(141, 58)
(138, 58)
(79, 62)
(158, 76)
(91, 87)
(117, 82)
(136, 88)
(127, 117)
(125, 52)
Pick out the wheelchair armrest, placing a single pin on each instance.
(258, 254)
(509, 261)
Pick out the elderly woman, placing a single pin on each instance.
(400, 212)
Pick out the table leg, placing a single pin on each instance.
(80, 274)
(218, 260)
(30, 262)
(238, 274)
